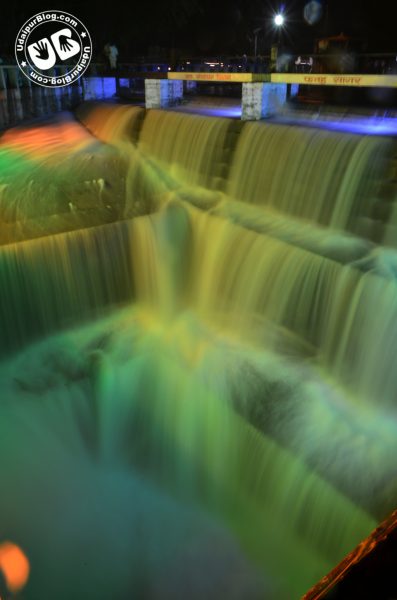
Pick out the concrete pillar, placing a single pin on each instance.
(26, 94)
(4, 116)
(92, 88)
(175, 91)
(63, 92)
(262, 100)
(13, 77)
(3, 109)
(99, 88)
(14, 94)
(191, 87)
(51, 93)
(3, 85)
(3, 99)
(160, 93)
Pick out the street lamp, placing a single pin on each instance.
(279, 20)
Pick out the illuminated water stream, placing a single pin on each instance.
(198, 342)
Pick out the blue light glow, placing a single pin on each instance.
(360, 125)
(233, 112)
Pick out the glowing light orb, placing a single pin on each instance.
(279, 20)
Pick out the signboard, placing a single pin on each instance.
(220, 77)
(350, 80)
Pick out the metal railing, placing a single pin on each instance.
(341, 62)
(22, 100)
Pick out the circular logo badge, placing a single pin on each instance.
(53, 48)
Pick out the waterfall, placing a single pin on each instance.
(197, 373)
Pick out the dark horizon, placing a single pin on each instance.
(205, 28)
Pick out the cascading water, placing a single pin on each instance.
(195, 403)
(322, 177)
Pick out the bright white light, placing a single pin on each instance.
(279, 20)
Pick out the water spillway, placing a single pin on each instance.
(198, 328)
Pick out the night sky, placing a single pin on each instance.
(209, 28)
